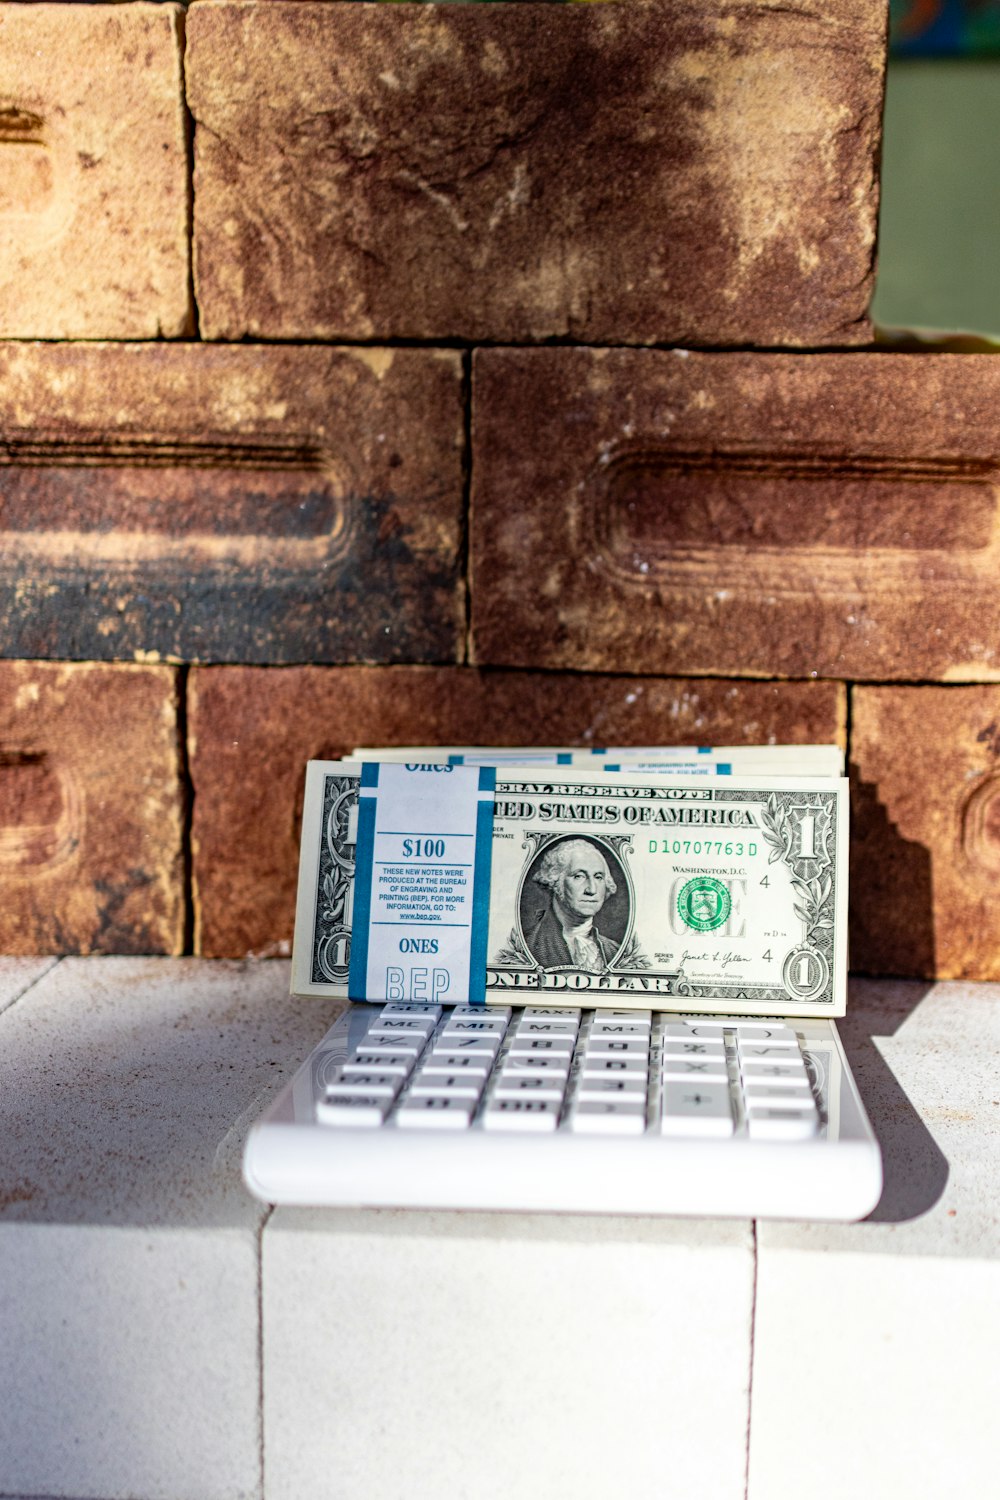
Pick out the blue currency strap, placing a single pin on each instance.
(357, 981)
(481, 886)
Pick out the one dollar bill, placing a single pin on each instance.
(725, 896)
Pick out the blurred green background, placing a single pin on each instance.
(940, 218)
(939, 224)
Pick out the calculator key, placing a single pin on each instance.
(619, 1028)
(435, 1112)
(605, 1067)
(535, 1115)
(542, 1046)
(782, 1124)
(609, 1117)
(769, 1051)
(600, 1090)
(696, 1110)
(774, 1032)
(791, 1067)
(498, 1012)
(404, 1021)
(547, 1028)
(688, 1046)
(402, 1026)
(707, 1027)
(617, 1046)
(530, 1086)
(410, 1008)
(778, 1096)
(441, 1060)
(401, 1065)
(539, 1012)
(358, 1109)
(479, 1045)
(485, 1023)
(455, 1085)
(342, 1085)
(395, 1045)
(538, 1062)
(707, 1069)
(477, 1025)
(633, 1017)
(777, 1046)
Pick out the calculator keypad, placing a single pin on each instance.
(602, 1072)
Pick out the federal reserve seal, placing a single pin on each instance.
(704, 903)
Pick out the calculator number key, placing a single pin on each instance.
(435, 1112)
(452, 1085)
(538, 1116)
(531, 1086)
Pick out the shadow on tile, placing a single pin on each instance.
(915, 1169)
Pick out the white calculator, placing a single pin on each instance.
(582, 1111)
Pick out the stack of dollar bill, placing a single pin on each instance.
(688, 879)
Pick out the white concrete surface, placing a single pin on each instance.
(504, 1355)
(18, 975)
(876, 1370)
(471, 1355)
(129, 1257)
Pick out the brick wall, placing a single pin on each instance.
(467, 374)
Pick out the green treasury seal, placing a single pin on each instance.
(704, 903)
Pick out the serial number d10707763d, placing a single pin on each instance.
(700, 846)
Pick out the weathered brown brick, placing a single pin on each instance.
(231, 504)
(93, 182)
(252, 732)
(652, 172)
(801, 515)
(91, 809)
(925, 850)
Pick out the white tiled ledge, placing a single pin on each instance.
(512, 1356)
